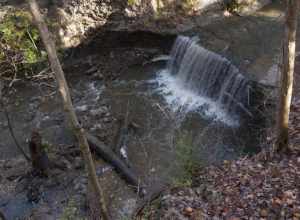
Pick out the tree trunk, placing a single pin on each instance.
(67, 103)
(39, 158)
(286, 88)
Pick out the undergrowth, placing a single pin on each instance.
(21, 51)
(231, 5)
(187, 160)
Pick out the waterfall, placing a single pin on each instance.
(208, 74)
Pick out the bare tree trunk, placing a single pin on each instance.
(67, 103)
(289, 47)
(39, 158)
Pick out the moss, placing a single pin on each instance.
(20, 44)
(18, 34)
(131, 2)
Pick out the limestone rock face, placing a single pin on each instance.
(76, 19)
(246, 7)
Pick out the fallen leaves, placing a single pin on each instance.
(249, 188)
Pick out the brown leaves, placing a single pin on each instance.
(244, 189)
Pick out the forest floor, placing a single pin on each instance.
(264, 186)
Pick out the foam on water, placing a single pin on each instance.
(183, 100)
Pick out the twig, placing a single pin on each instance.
(161, 109)
(10, 127)
(15, 74)
(33, 43)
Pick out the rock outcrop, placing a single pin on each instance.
(75, 20)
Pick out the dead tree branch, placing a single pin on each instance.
(9, 124)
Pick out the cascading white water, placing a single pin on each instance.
(195, 76)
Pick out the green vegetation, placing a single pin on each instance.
(185, 153)
(130, 2)
(47, 147)
(20, 47)
(232, 6)
(18, 34)
(189, 4)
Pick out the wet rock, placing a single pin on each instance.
(92, 70)
(97, 127)
(43, 212)
(33, 194)
(107, 120)
(16, 162)
(99, 111)
(3, 124)
(82, 108)
(12, 177)
(98, 76)
(102, 136)
(78, 163)
(80, 185)
(103, 169)
(65, 163)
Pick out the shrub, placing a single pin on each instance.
(185, 153)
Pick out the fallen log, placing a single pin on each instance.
(109, 156)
